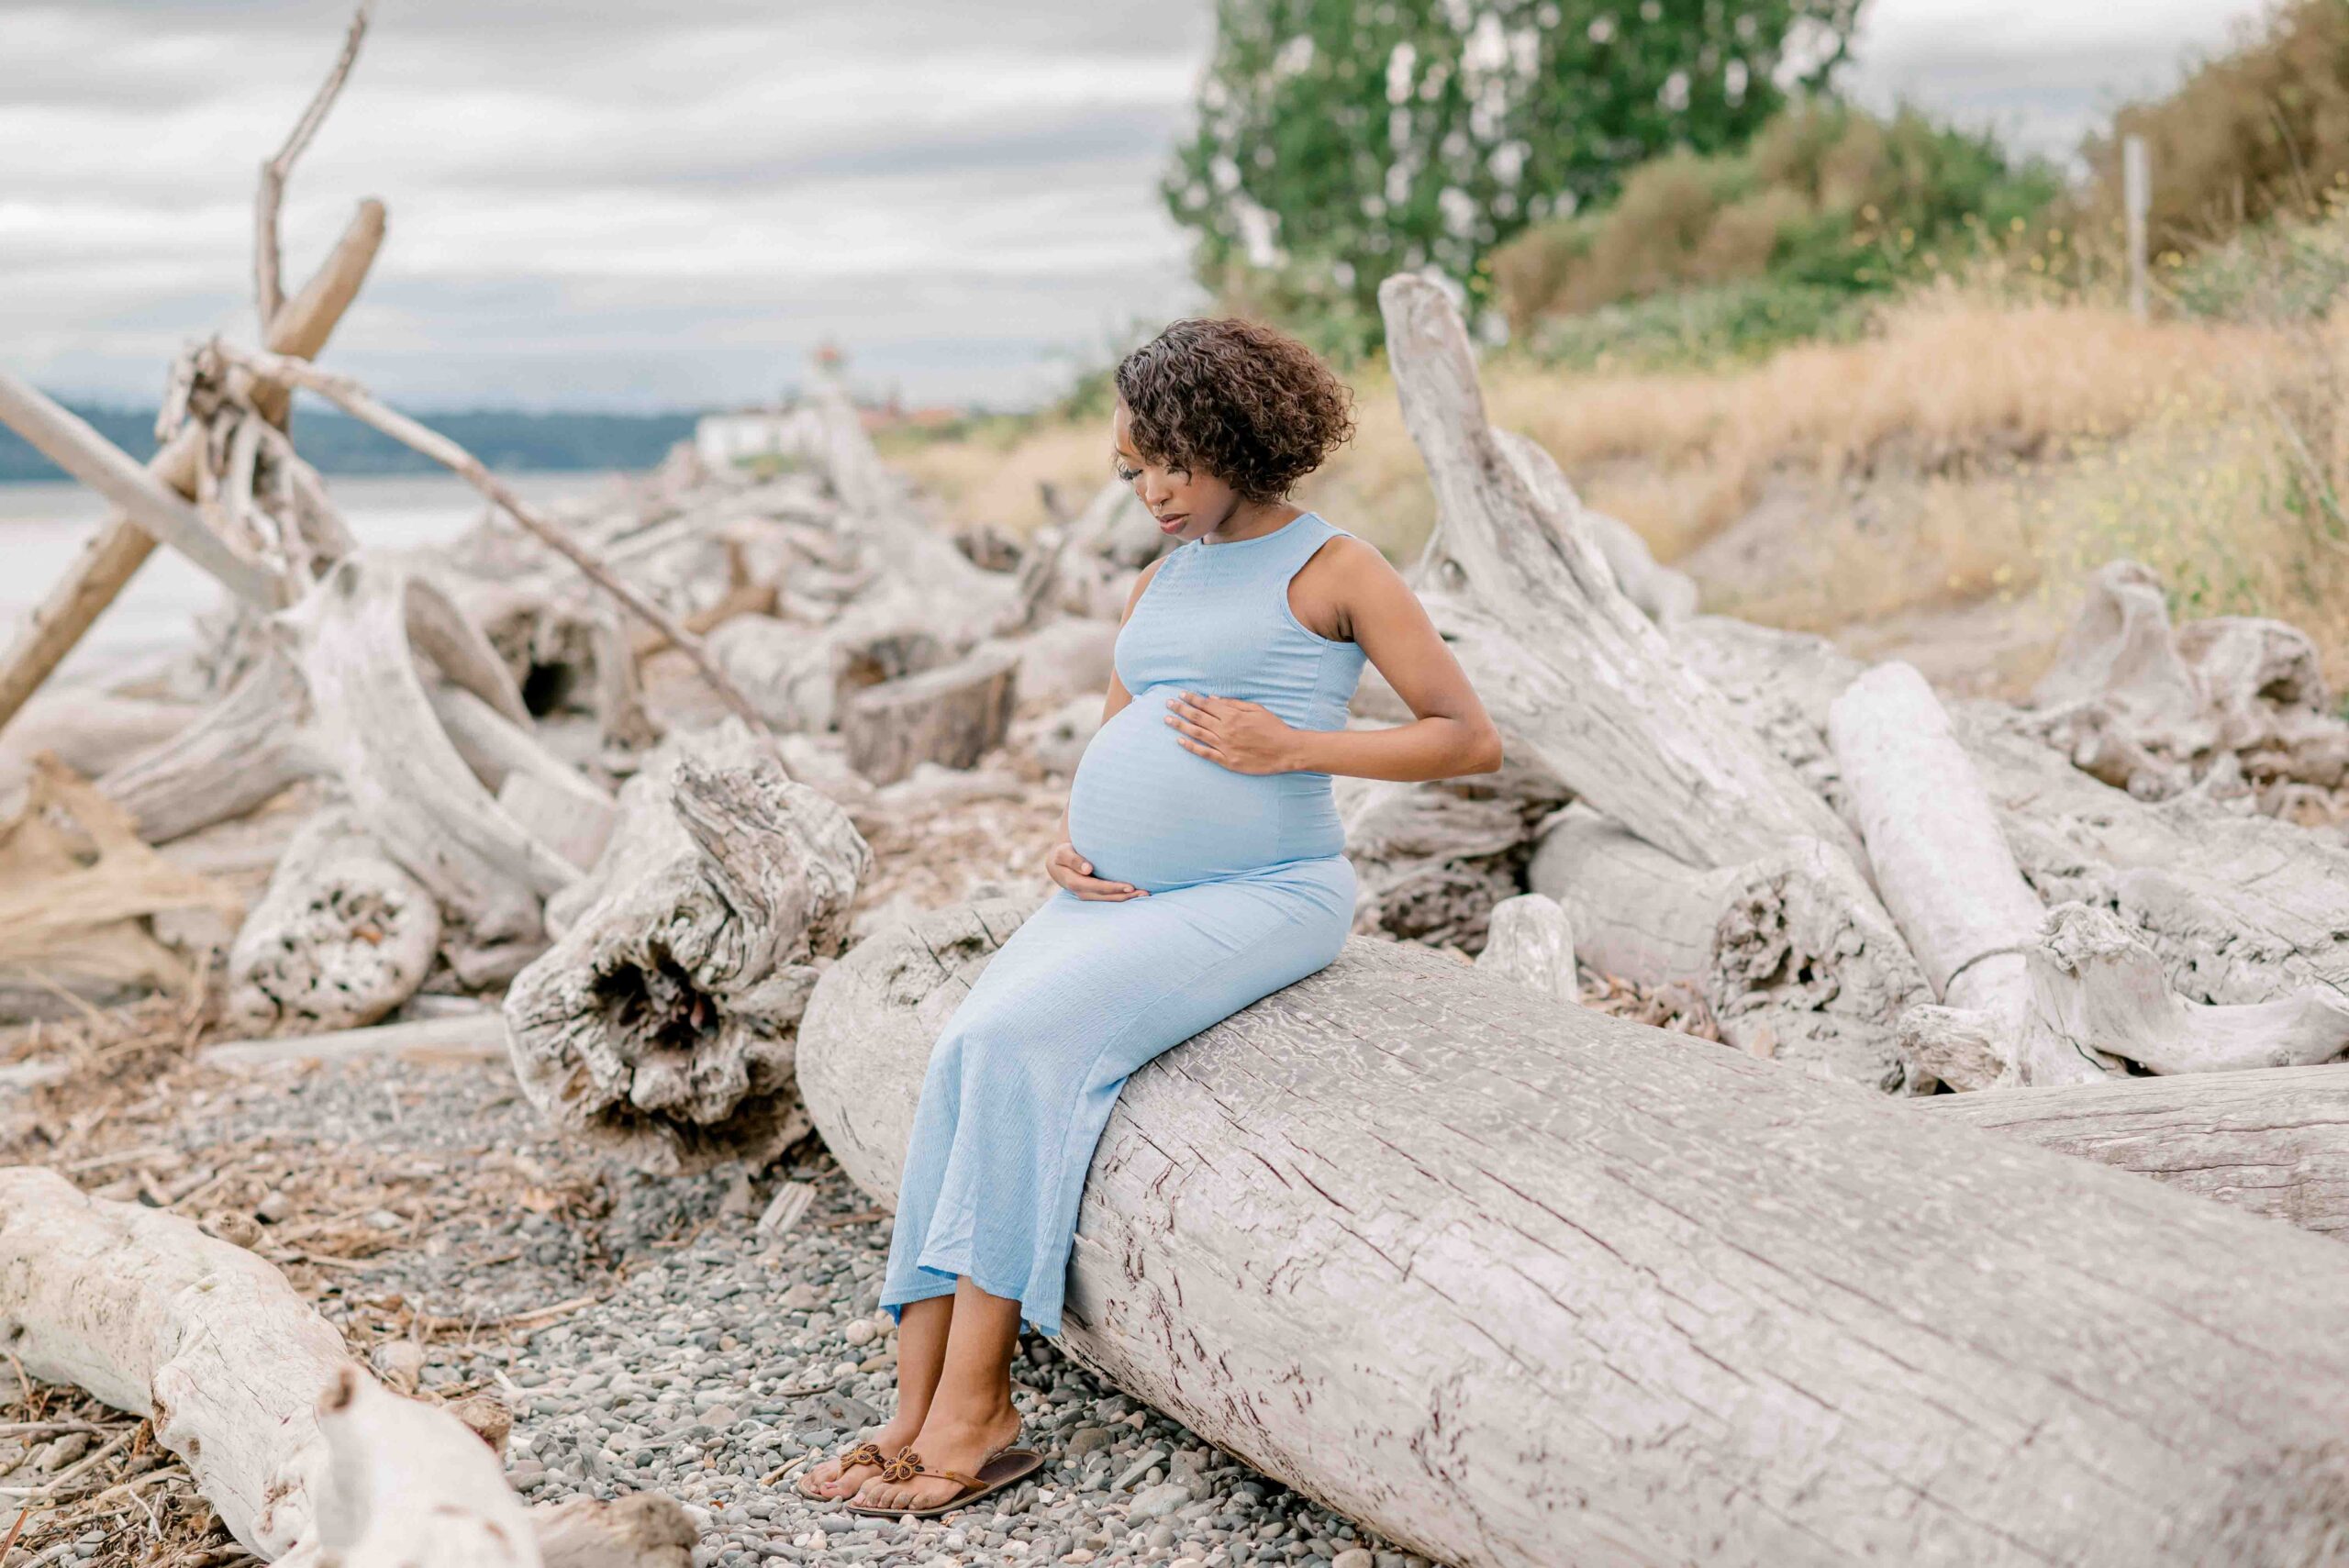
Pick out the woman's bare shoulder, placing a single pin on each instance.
(1141, 581)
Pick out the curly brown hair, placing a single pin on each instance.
(1250, 405)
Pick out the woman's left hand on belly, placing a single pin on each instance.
(1245, 736)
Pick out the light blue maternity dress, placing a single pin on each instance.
(1249, 890)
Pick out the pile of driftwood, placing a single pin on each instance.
(591, 783)
(607, 779)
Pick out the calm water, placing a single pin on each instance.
(44, 526)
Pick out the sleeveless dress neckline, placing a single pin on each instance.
(1259, 539)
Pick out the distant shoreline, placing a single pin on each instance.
(507, 441)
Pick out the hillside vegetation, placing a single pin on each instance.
(1867, 377)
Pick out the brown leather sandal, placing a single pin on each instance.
(862, 1453)
(1004, 1467)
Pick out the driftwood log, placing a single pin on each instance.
(1641, 1299)
(1798, 962)
(2027, 997)
(1570, 669)
(660, 1023)
(305, 1458)
(952, 715)
(1589, 688)
(342, 937)
(2273, 1141)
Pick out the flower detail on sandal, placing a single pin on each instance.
(862, 1453)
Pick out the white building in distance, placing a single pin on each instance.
(741, 434)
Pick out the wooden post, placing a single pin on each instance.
(2137, 192)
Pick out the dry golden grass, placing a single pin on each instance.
(1968, 451)
(1946, 384)
(993, 475)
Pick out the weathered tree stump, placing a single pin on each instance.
(661, 1022)
(952, 715)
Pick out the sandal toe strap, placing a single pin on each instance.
(909, 1465)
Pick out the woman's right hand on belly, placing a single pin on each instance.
(1074, 872)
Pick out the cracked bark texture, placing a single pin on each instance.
(660, 1024)
(2271, 1140)
(1518, 1283)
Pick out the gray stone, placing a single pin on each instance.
(1137, 1469)
(1157, 1502)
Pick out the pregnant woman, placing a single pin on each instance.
(1202, 867)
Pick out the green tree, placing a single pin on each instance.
(1341, 140)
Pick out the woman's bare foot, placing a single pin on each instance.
(831, 1480)
(948, 1440)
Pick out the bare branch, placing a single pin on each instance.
(115, 553)
(269, 293)
(74, 445)
(361, 405)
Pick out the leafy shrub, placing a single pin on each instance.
(2271, 273)
(1697, 328)
(1826, 194)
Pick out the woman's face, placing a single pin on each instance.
(1185, 505)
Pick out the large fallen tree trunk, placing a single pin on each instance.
(2274, 1141)
(1639, 1299)
(305, 1458)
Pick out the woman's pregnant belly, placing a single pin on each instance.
(1144, 811)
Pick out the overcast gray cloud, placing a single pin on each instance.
(615, 203)
(2042, 72)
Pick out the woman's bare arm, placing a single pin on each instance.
(1449, 735)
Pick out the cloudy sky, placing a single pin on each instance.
(624, 203)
